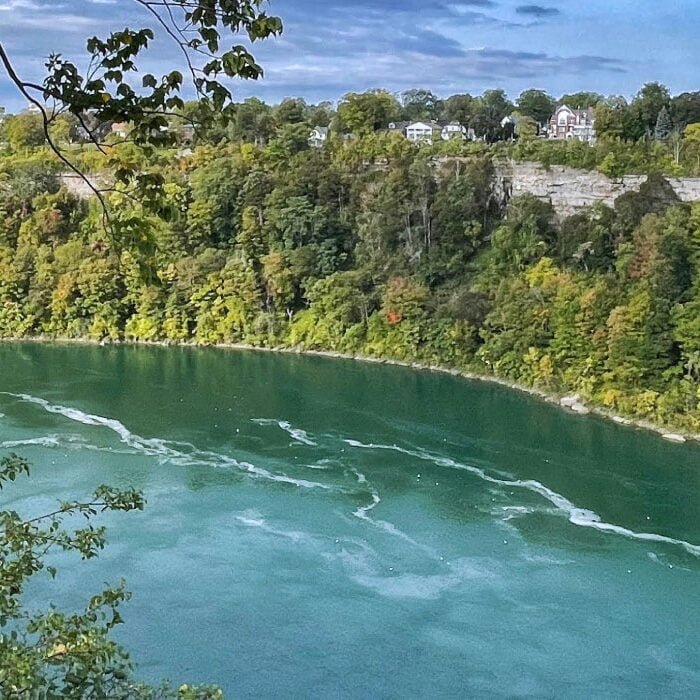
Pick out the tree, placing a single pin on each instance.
(614, 119)
(106, 90)
(647, 104)
(581, 100)
(664, 125)
(536, 104)
(24, 131)
(493, 106)
(253, 122)
(419, 104)
(692, 140)
(290, 111)
(48, 653)
(321, 114)
(459, 108)
(525, 127)
(363, 113)
(685, 109)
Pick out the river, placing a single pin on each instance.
(322, 528)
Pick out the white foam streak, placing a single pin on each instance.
(362, 511)
(297, 434)
(577, 516)
(178, 453)
(46, 441)
(253, 519)
(363, 514)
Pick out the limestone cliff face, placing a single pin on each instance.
(569, 189)
(77, 186)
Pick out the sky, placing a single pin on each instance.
(331, 47)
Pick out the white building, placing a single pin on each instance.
(423, 132)
(318, 136)
(454, 130)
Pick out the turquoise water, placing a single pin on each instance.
(327, 529)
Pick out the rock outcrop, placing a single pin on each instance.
(570, 189)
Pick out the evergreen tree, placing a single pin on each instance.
(664, 125)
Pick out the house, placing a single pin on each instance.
(120, 129)
(430, 131)
(423, 132)
(454, 130)
(396, 128)
(187, 133)
(319, 136)
(567, 123)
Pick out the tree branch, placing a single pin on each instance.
(12, 74)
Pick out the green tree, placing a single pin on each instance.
(536, 104)
(614, 119)
(290, 111)
(362, 113)
(419, 104)
(664, 125)
(459, 108)
(108, 91)
(685, 109)
(492, 107)
(647, 104)
(581, 100)
(24, 131)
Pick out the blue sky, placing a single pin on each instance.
(330, 47)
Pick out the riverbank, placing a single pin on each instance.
(571, 404)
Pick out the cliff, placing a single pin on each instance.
(570, 189)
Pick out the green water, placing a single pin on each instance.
(327, 529)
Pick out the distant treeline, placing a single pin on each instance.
(654, 132)
(652, 113)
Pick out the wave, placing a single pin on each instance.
(298, 434)
(173, 452)
(582, 517)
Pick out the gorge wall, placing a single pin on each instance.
(570, 189)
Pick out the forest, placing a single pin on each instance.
(370, 246)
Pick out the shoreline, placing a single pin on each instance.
(572, 405)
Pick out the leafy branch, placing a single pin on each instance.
(105, 93)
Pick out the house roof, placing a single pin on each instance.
(589, 111)
(428, 124)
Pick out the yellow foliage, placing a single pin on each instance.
(543, 273)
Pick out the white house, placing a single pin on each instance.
(567, 123)
(423, 132)
(454, 130)
(318, 136)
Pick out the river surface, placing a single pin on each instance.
(323, 528)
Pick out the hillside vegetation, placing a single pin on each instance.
(366, 247)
